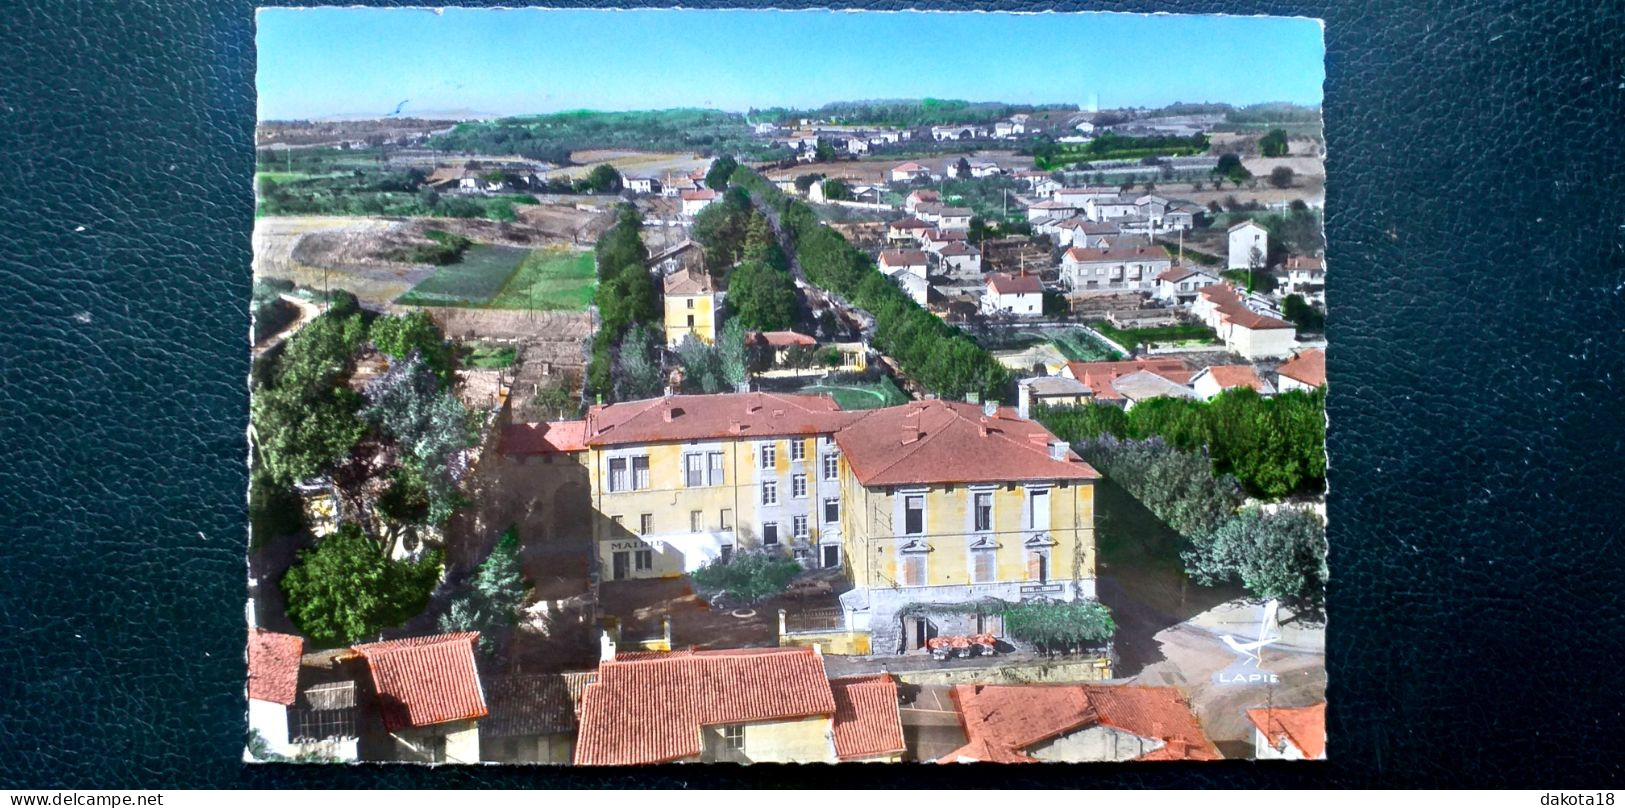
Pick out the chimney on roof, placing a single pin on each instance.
(1058, 450)
(1024, 400)
(990, 409)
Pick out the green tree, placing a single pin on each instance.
(1281, 177)
(824, 151)
(764, 297)
(300, 432)
(1180, 488)
(721, 169)
(733, 355)
(1230, 168)
(494, 596)
(399, 336)
(1278, 555)
(1301, 314)
(1273, 144)
(837, 190)
(430, 426)
(1076, 424)
(748, 576)
(345, 589)
(637, 375)
(603, 178)
(804, 183)
(1058, 626)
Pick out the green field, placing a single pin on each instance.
(550, 280)
(861, 395)
(1184, 334)
(497, 277)
(1073, 343)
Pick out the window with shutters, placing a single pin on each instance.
(646, 523)
(644, 559)
(984, 565)
(1038, 509)
(983, 508)
(798, 450)
(770, 455)
(799, 525)
(617, 474)
(770, 493)
(696, 521)
(727, 519)
(914, 569)
(693, 470)
(832, 466)
(798, 486)
(640, 473)
(914, 515)
(717, 476)
(1038, 566)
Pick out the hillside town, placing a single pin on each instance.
(864, 434)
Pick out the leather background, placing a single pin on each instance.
(1475, 223)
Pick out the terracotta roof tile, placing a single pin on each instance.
(1233, 310)
(553, 436)
(422, 681)
(1228, 376)
(1013, 284)
(868, 723)
(705, 417)
(1100, 375)
(910, 223)
(782, 339)
(1304, 727)
(651, 710)
(1308, 367)
(1101, 255)
(703, 195)
(902, 258)
(533, 704)
(1002, 721)
(273, 666)
(951, 442)
(690, 281)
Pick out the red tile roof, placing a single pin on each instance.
(1175, 274)
(533, 704)
(868, 723)
(1308, 367)
(1013, 284)
(957, 248)
(1002, 721)
(553, 436)
(703, 195)
(1244, 223)
(706, 417)
(1101, 255)
(950, 442)
(902, 258)
(1100, 375)
(924, 195)
(273, 666)
(910, 167)
(689, 281)
(651, 710)
(910, 223)
(782, 339)
(1233, 310)
(1303, 262)
(1229, 376)
(422, 681)
(1305, 727)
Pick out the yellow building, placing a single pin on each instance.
(931, 502)
(693, 306)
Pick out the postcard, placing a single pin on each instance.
(734, 386)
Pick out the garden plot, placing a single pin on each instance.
(473, 281)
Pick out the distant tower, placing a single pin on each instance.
(1094, 103)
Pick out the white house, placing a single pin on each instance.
(1013, 293)
(1042, 183)
(909, 172)
(641, 185)
(1306, 371)
(921, 196)
(960, 257)
(1215, 379)
(1305, 276)
(1244, 331)
(1080, 196)
(907, 229)
(1122, 268)
(294, 716)
(1249, 245)
(1180, 284)
(1289, 733)
(984, 168)
(914, 262)
(1104, 209)
(957, 132)
(1079, 232)
(1050, 209)
(954, 218)
(695, 201)
(914, 286)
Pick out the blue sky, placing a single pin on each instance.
(333, 61)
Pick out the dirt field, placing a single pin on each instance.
(638, 164)
(565, 330)
(876, 170)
